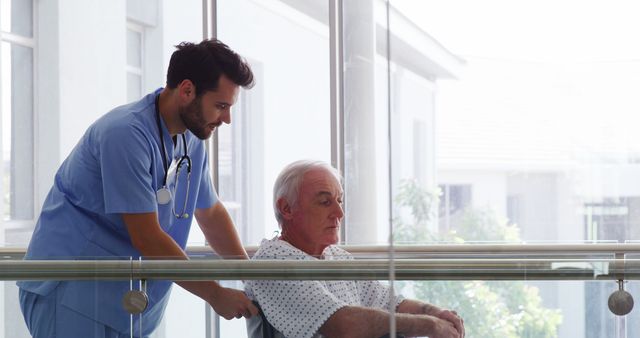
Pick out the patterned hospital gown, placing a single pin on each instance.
(299, 308)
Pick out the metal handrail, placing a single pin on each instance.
(506, 248)
(368, 269)
(445, 249)
(416, 262)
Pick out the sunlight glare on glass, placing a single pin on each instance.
(5, 70)
(5, 15)
(5, 101)
(533, 66)
(544, 30)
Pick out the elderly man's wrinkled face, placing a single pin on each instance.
(317, 214)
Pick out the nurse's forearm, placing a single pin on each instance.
(226, 243)
(149, 239)
(218, 229)
(163, 246)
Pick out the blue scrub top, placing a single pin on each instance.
(116, 168)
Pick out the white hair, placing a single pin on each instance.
(287, 184)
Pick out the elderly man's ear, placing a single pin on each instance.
(284, 208)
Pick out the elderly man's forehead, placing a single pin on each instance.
(324, 193)
(321, 179)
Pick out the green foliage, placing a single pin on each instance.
(418, 200)
(486, 225)
(490, 309)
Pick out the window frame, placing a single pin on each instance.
(27, 42)
(133, 70)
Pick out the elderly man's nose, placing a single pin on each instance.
(338, 212)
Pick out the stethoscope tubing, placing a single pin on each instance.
(165, 164)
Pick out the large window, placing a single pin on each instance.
(451, 121)
(17, 99)
(135, 59)
(540, 123)
(286, 116)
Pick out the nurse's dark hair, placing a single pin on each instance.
(204, 63)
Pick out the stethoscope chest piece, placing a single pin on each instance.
(163, 195)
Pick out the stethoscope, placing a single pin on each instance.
(163, 195)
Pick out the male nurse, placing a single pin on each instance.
(131, 188)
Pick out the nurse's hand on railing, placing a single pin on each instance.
(232, 303)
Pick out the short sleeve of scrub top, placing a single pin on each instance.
(125, 162)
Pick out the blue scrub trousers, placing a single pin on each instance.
(46, 317)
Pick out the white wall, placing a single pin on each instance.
(550, 205)
(608, 180)
(413, 99)
(180, 21)
(92, 61)
(381, 122)
(488, 188)
(79, 76)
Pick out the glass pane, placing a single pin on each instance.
(134, 48)
(505, 308)
(98, 297)
(13, 323)
(523, 134)
(366, 123)
(540, 135)
(134, 87)
(185, 313)
(5, 15)
(286, 116)
(17, 124)
(5, 71)
(512, 308)
(16, 16)
(22, 185)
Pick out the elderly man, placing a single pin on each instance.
(308, 205)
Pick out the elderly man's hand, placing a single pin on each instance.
(231, 303)
(444, 329)
(453, 318)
